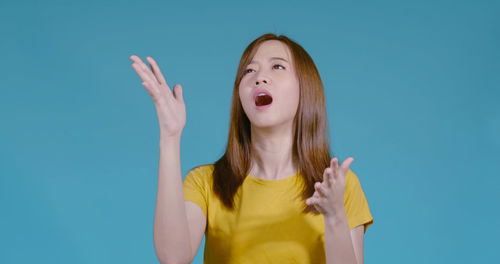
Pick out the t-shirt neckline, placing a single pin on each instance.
(278, 181)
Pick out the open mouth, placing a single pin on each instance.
(263, 99)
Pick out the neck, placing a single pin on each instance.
(272, 153)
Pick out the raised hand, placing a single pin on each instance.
(328, 197)
(170, 108)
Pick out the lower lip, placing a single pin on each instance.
(262, 107)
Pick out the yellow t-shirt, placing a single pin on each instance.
(267, 225)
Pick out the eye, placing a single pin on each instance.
(274, 66)
(247, 71)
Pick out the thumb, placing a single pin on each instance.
(178, 92)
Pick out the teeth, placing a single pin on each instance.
(263, 99)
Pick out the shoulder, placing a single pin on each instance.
(351, 177)
(201, 172)
(352, 183)
(203, 169)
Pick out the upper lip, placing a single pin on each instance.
(261, 90)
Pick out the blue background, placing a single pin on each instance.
(412, 91)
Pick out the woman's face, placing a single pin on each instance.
(270, 71)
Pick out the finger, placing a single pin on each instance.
(345, 165)
(142, 74)
(311, 201)
(319, 188)
(332, 162)
(144, 67)
(334, 166)
(178, 92)
(315, 195)
(160, 78)
(157, 71)
(328, 177)
(145, 70)
(153, 92)
(152, 89)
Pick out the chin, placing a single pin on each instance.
(268, 122)
(262, 122)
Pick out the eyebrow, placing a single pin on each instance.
(270, 59)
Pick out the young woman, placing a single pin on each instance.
(276, 195)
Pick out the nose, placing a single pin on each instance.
(261, 80)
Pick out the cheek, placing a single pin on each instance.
(289, 102)
(294, 93)
(242, 94)
(295, 98)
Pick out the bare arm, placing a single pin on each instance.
(357, 235)
(171, 231)
(342, 245)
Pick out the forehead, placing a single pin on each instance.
(272, 48)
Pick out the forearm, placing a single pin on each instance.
(171, 233)
(338, 242)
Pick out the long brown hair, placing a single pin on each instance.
(311, 152)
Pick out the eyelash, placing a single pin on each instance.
(246, 71)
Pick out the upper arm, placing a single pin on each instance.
(196, 223)
(357, 236)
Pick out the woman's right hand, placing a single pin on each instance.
(170, 108)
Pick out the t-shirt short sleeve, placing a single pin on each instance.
(195, 187)
(355, 203)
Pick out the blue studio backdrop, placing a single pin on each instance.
(412, 90)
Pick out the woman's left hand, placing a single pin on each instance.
(328, 197)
